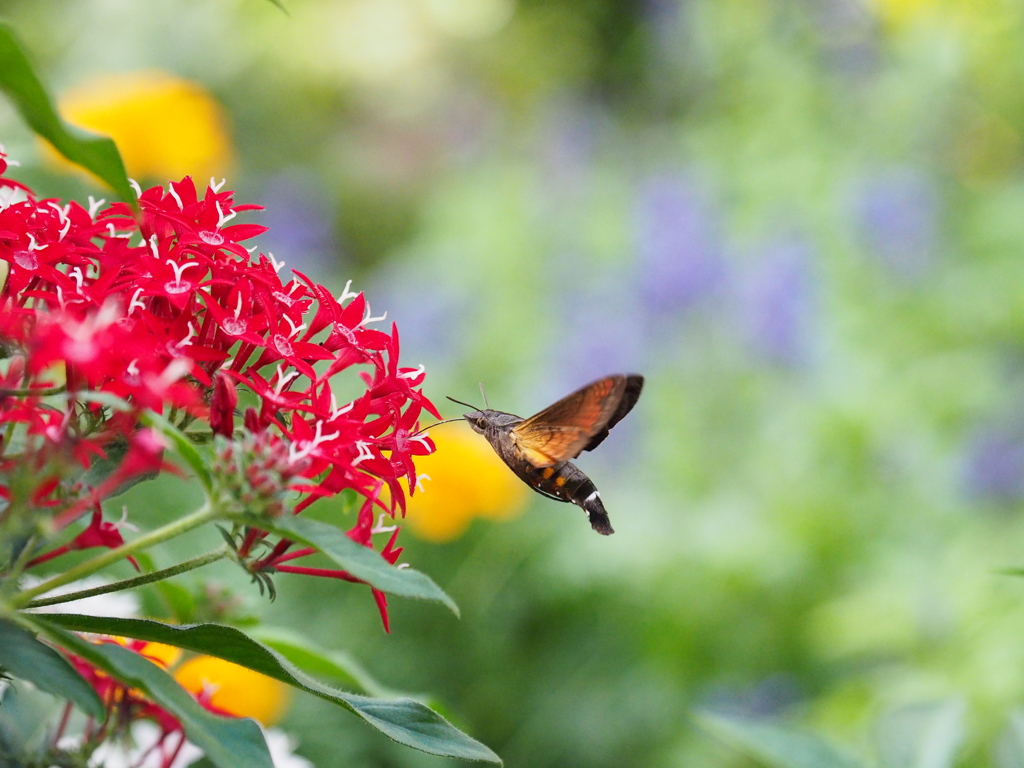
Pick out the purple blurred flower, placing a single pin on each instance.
(301, 233)
(430, 310)
(569, 135)
(601, 332)
(995, 466)
(897, 213)
(679, 251)
(778, 303)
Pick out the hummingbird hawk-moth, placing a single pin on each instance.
(538, 449)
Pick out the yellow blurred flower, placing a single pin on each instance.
(898, 12)
(235, 690)
(466, 480)
(165, 127)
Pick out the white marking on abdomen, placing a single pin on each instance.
(592, 496)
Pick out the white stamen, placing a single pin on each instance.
(277, 265)
(400, 566)
(223, 218)
(422, 440)
(369, 319)
(187, 341)
(95, 205)
(155, 248)
(380, 527)
(410, 374)
(347, 294)
(419, 481)
(295, 329)
(296, 453)
(62, 212)
(65, 229)
(33, 245)
(283, 379)
(133, 368)
(179, 270)
(177, 199)
(76, 275)
(364, 452)
(238, 306)
(336, 411)
(216, 185)
(135, 301)
(123, 522)
(136, 187)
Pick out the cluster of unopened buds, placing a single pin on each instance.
(253, 473)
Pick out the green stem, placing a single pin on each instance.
(138, 581)
(169, 531)
(38, 392)
(23, 557)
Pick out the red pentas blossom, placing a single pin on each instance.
(166, 309)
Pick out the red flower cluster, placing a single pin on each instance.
(165, 309)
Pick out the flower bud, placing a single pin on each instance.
(222, 405)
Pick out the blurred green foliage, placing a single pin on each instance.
(803, 221)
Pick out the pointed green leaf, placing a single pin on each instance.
(24, 88)
(23, 656)
(334, 665)
(922, 735)
(101, 469)
(179, 440)
(774, 745)
(405, 720)
(362, 562)
(229, 742)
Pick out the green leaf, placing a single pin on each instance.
(22, 655)
(405, 720)
(775, 746)
(334, 665)
(362, 562)
(180, 442)
(182, 446)
(229, 742)
(21, 84)
(103, 468)
(102, 398)
(921, 736)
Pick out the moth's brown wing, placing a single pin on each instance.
(631, 393)
(561, 431)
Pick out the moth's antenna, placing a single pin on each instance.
(446, 421)
(462, 403)
(484, 396)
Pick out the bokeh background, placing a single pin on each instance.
(802, 220)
